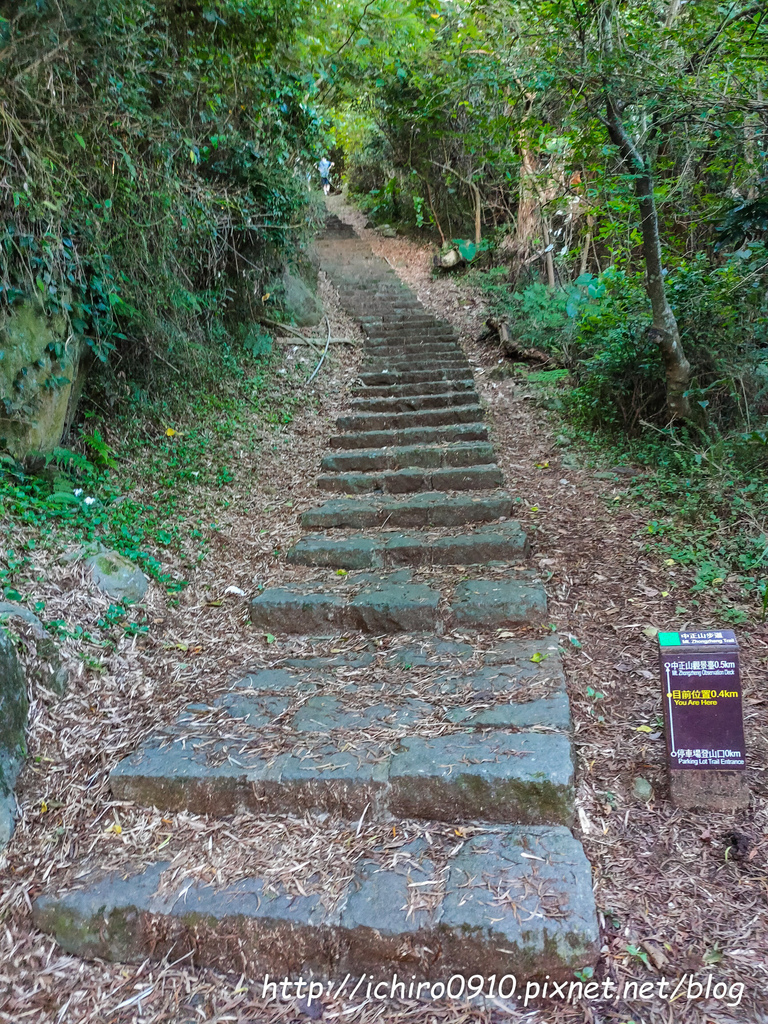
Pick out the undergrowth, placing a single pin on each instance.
(150, 479)
(704, 488)
(705, 507)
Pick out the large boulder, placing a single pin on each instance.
(14, 708)
(40, 653)
(293, 293)
(40, 379)
(299, 302)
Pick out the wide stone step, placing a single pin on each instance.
(434, 387)
(394, 732)
(406, 403)
(419, 418)
(411, 346)
(410, 337)
(411, 436)
(405, 334)
(363, 302)
(511, 901)
(460, 453)
(393, 604)
(493, 543)
(433, 509)
(388, 321)
(421, 321)
(409, 364)
(394, 377)
(405, 481)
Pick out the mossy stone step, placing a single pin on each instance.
(493, 543)
(408, 436)
(308, 740)
(383, 607)
(459, 453)
(406, 403)
(489, 774)
(389, 604)
(437, 373)
(434, 387)
(546, 926)
(406, 481)
(433, 509)
(418, 418)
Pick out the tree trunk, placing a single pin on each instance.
(527, 205)
(664, 329)
(478, 213)
(587, 243)
(548, 254)
(434, 214)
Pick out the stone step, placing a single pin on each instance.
(405, 481)
(409, 324)
(421, 321)
(460, 453)
(383, 732)
(411, 436)
(409, 345)
(493, 543)
(386, 321)
(509, 899)
(410, 337)
(392, 603)
(361, 302)
(422, 510)
(410, 363)
(406, 403)
(418, 418)
(434, 387)
(395, 377)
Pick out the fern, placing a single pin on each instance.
(104, 453)
(69, 460)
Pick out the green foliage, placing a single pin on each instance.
(149, 482)
(597, 326)
(155, 163)
(257, 343)
(745, 221)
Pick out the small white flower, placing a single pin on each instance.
(77, 491)
(89, 501)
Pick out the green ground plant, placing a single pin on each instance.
(150, 480)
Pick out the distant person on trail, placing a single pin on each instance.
(324, 167)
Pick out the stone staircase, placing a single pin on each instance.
(472, 733)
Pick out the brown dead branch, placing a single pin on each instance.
(515, 349)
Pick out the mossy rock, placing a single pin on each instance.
(14, 708)
(117, 577)
(296, 298)
(38, 387)
(44, 666)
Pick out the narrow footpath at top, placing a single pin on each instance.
(419, 539)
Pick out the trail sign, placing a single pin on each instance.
(701, 695)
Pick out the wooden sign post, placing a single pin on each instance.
(701, 694)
